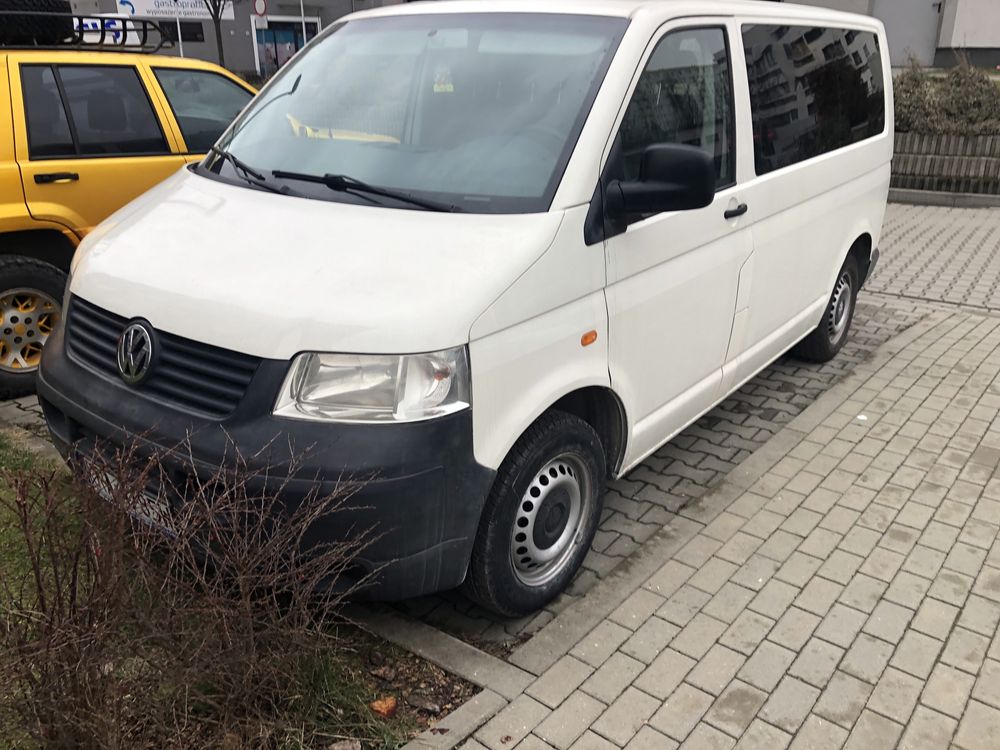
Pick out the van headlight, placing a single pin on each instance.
(375, 387)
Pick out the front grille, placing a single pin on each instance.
(187, 374)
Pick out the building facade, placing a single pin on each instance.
(254, 43)
(258, 36)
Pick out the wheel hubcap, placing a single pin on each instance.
(550, 518)
(27, 319)
(840, 308)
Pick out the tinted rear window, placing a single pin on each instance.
(111, 111)
(812, 90)
(48, 128)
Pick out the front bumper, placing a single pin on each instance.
(422, 494)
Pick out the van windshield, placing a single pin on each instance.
(478, 111)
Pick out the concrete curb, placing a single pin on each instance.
(937, 304)
(950, 200)
(448, 652)
(460, 724)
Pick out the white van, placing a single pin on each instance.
(485, 255)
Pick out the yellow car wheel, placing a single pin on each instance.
(30, 310)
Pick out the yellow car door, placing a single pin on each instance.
(88, 136)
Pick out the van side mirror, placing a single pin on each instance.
(672, 177)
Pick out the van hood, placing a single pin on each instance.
(273, 275)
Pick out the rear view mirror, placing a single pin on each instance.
(671, 178)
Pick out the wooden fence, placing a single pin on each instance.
(947, 163)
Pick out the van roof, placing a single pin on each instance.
(624, 9)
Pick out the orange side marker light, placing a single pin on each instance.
(588, 338)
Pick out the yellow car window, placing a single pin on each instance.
(204, 103)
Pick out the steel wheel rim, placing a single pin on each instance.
(27, 319)
(840, 308)
(550, 519)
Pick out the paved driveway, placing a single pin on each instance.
(842, 589)
(942, 255)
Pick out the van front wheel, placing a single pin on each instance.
(830, 335)
(540, 517)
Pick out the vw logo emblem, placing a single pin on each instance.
(135, 352)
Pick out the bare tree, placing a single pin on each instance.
(215, 9)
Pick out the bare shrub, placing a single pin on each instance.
(152, 607)
(970, 101)
(914, 92)
(965, 101)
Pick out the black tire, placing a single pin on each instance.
(823, 343)
(570, 447)
(20, 273)
(33, 29)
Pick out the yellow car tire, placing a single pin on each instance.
(31, 293)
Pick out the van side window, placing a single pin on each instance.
(111, 112)
(812, 90)
(684, 96)
(48, 128)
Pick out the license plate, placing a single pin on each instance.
(149, 509)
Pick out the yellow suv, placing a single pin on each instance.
(82, 133)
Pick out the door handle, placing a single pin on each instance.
(732, 213)
(50, 177)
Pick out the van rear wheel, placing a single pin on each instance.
(31, 294)
(830, 335)
(540, 517)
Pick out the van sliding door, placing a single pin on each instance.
(672, 277)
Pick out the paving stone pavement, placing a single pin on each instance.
(25, 413)
(849, 596)
(941, 254)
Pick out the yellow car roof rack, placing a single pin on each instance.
(34, 30)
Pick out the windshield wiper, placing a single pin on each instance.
(248, 173)
(345, 184)
(238, 163)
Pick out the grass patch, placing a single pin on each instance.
(16, 456)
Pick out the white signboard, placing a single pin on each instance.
(182, 9)
(113, 28)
